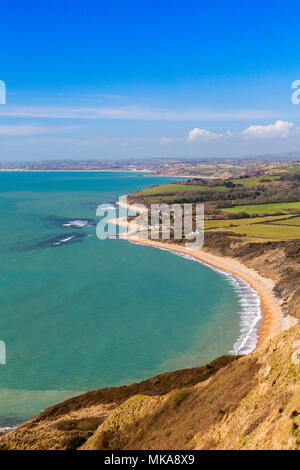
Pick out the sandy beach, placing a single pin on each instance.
(273, 321)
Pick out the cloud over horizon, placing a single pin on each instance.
(131, 112)
(278, 130)
(24, 130)
(201, 134)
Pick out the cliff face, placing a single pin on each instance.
(251, 402)
(278, 260)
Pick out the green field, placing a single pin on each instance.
(160, 199)
(267, 231)
(210, 224)
(284, 207)
(256, 180)
(175, 188)
(294, 169)
(294, 221)
(180, 188)
(277, 168)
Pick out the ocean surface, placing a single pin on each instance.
(78, 313)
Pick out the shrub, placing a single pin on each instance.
(178, 398)
(75, 442)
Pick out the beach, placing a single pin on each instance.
(272, 322)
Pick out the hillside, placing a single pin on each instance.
(251, 402)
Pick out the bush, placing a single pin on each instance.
(75, 442)
(178, 398)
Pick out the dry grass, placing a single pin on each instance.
(237, 408)
(250, 403)
(80, 416)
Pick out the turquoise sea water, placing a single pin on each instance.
(78, 313)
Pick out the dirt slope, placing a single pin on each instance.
(71, 422)
(252, 402)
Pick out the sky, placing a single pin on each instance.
(124, 79)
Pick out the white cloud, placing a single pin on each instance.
(228, 134)
(23, 131)
(99, 140)
(111, 140)
(280, 129)
(30, 129)
(130, 113)
(167, 140)
(196, 134)
(201, 134)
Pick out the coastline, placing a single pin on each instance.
(271, 322)
(109, 170)
(10, 170)
(270, 309)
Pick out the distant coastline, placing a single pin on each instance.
(108, 170)
(78, 170)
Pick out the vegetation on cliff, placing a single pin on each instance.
(252, 402)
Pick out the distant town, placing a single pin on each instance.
(211, 168)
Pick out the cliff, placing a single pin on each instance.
(251, 402)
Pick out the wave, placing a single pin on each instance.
(250, 317)
(63, 240)
(58, 240)
(68, 222)
(79, 223)
(5, 429)
(250, 313)
(68, 238)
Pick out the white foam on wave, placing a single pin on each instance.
(6, 429)
(66, 239)
(250, 316)
(250, 313)
(63, 240)
(76, 223)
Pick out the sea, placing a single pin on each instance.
(78, 313)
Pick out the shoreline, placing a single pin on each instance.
(272, 321)
(270, 310)
(10, 170)
(111, 170)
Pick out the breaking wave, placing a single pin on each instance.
(250, 312)
(78, 223)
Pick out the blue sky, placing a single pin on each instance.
(120, 79)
